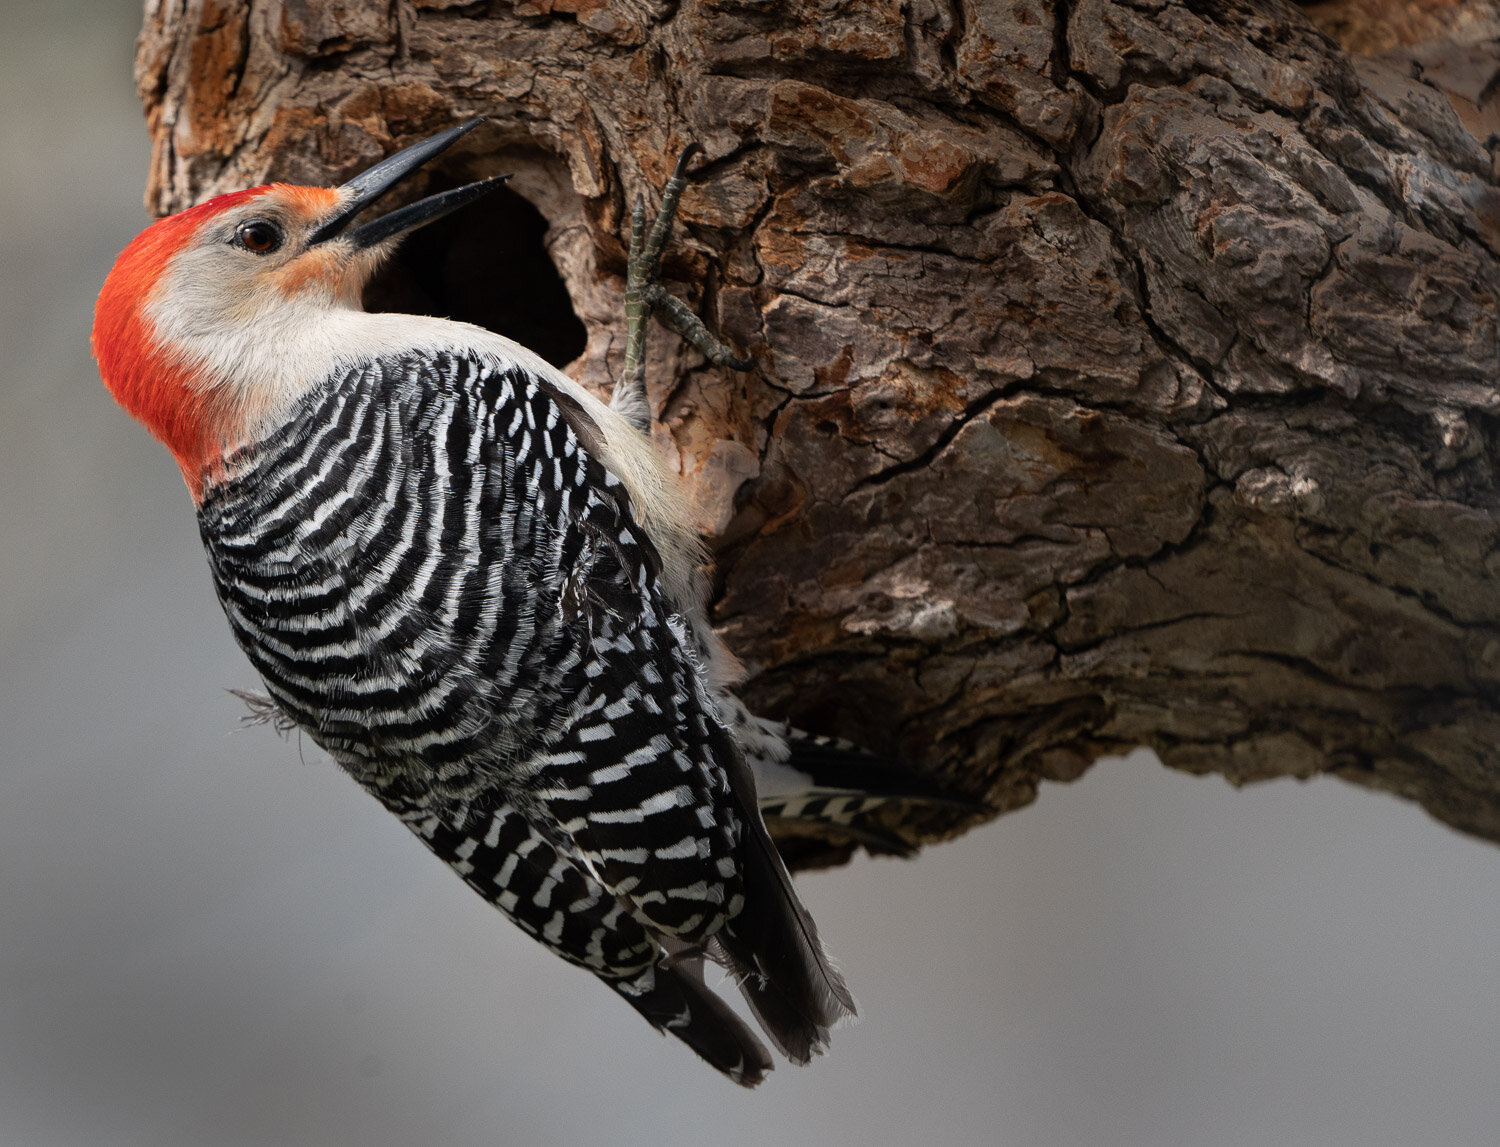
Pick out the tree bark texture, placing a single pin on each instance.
(1127, 369)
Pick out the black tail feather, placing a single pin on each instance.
(785, 975)
(773, 946)
(677, 1002)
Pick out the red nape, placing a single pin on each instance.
(147, 379)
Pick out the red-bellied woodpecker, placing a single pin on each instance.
(476, 587)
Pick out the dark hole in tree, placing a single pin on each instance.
(485, 264)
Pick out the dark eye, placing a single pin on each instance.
(258, 235)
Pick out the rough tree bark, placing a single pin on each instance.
(1127, 368)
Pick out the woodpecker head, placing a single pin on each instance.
(206, 324)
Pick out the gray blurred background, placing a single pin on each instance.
(209, 936)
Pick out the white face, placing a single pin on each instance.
(244, 304)
(254, 256)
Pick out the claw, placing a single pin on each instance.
(692, 149)
(644, 295)
(691, 327)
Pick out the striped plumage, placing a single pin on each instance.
(476, 587)
(443, 587)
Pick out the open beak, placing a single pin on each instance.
(371, 184)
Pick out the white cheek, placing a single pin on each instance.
(240, 334)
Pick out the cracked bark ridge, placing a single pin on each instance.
(1127, 367)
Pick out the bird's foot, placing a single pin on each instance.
(644, 295)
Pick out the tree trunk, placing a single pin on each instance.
(1126, 370)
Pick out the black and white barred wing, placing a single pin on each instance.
(633, 780)
(652, 790)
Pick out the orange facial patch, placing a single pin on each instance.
(307, 203)
(320, 267)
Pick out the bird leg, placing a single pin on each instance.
(644, 295)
